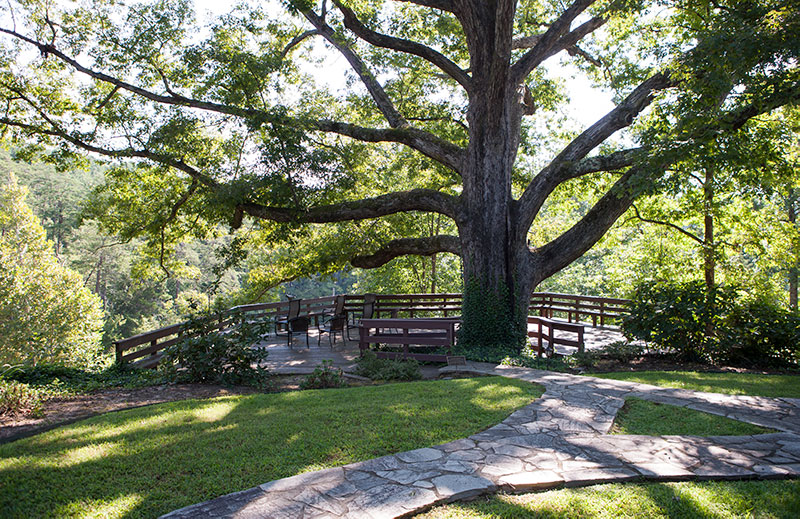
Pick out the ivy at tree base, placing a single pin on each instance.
(490, 330)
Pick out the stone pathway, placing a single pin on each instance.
(560, 439)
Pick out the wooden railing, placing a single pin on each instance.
(579, 308)
(145, 349)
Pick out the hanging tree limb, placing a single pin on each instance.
(426, 246)
(424, 142)
(352, 22)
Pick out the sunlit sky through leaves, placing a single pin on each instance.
(587, 104)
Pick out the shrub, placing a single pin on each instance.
(19, 399)
(529, 359)
(209, 356)
(673, 316)
(758, 333)
(586, 359)
(370, 366)
(57, 379)
(751, 333)
(621, 351)
(323, 377)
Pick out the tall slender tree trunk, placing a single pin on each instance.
(793, 269)
(709, 249)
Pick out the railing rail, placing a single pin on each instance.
(146, 348)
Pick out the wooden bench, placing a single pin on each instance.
(546, 329)
(406, 332)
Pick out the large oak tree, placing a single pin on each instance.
(223, 122)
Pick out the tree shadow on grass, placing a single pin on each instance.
(149, 461)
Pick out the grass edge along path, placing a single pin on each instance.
(752, 384)
(718, 499)
(148, 461)
(639, 416)
(713, 499)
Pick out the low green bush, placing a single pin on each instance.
(746, 332)
(60, 380)
(528, 358)
(324, 377)
(621, 351)
(17, 398)
(370, 366)
(757, 333)
(209, 356)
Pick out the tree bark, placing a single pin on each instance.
(709, 249)
(793, 269)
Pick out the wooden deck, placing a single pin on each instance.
(299, 359)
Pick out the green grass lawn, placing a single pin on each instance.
(652, 419)
(148, 461)
(728, 383)
(735, 499)
(718, 500)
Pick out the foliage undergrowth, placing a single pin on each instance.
(729, 329)
(529, 359)
(370, 366)
(148, 461)
(17, 398)
(23, 389)
(210, 356)
(489, 330)
(324, 377)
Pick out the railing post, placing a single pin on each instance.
(118, 352)
(602, 315)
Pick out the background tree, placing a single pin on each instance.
(45, 312)
(222, 124)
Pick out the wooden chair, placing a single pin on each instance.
(294, 311)
(366, 313)
(338, 307)
(297, 325)
(334, 325)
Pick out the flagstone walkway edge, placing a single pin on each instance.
(558, 440)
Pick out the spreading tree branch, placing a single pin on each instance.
(426, 246)
(424, 142)
(374, 88)
(441, 5)
(296, 41)
(561, 168)
(352, 22)
(129, 153)
(667, 224)
(427, 200)
(571, 245)
(555, 39)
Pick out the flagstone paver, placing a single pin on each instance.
(559, 440)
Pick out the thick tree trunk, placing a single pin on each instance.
(494, 286)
